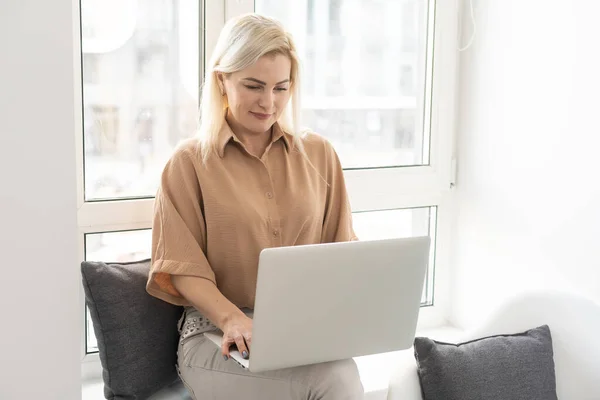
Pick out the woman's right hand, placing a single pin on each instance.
(238, 331)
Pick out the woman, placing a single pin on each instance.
(249, 182)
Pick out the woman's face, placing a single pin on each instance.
(258, 94)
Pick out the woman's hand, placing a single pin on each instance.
(238, 331)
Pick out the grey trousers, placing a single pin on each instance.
(209, 377)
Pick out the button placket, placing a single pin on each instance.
(274, 218)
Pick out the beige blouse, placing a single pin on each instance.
(213, 220)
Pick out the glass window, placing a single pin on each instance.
(140, 91)
(401, 223)
(372, 225)
(362, 61)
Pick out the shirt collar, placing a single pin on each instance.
(226, 135)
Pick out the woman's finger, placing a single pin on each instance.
(241, 345)
(225, 344)
(248, 339)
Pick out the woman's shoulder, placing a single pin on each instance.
(187, 148)
(315, 143)
(185, 157)
(187, 151)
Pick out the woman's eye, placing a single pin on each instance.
(252, 87)
(281, 89)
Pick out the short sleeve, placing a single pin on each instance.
(337, 224)
(178, 229)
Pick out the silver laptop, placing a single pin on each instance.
(326, 302)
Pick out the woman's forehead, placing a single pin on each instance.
(271, 69)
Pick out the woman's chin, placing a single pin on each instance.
(259, 127)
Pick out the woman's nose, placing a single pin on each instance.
(266, 100)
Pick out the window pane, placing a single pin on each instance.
(135, 245)
(118, 246)
(364, 75)
(114, 247)
(401, 223)
(140, 91)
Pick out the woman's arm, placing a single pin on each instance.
(206, 298)
(337, 223)
(180, 273)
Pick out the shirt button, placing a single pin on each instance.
(269, 195)
(275, 233)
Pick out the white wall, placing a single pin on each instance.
(529, 154)
(39, 295)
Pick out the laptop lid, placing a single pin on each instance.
(325, 302)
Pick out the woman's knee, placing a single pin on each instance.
(338, 380)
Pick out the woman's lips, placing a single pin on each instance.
(261, 116)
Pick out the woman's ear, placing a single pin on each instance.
(221, 82)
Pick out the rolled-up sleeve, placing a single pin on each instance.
(178, 229)
(337, 224)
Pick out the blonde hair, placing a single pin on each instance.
(242, 42)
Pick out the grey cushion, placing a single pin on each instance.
(506, 367)
(137, 333)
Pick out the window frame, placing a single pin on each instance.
(100, 216)
(369, 189)
(431, 184)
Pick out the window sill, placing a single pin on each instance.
(375, 370)
(92, 389)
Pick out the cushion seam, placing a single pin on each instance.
(506, 335)
(87, 284)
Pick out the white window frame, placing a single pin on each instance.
(129, 214)
(369, 189)
(419, 186)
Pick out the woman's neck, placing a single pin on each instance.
(256, 144)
